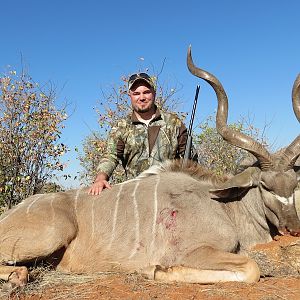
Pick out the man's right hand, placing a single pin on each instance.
(100, 184)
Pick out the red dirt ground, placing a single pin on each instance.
(132, 287)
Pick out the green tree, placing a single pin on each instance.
(30, 129)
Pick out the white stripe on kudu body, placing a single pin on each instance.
(113, 232)
(31, 204)
(74, 242)
(52, 208)
(76, 200)
(155, 204)
(137, 221)
(15, 209)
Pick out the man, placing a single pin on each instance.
(146, 137)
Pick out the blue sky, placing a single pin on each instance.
(253, 47)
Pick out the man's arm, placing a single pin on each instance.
(110, 160)
(100, 183)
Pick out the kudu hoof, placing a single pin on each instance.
(19, 277)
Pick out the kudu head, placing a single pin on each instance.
(275, 175)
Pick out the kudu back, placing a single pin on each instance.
(171, 223)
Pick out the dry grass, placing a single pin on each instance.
(44, 278)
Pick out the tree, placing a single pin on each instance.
(30, 129)
(219, 156)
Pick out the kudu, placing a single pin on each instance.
(170, 224)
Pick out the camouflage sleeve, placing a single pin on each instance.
(110, 159)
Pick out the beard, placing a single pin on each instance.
(144, 109)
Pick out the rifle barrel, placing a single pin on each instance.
(193, 110)
(188, 146)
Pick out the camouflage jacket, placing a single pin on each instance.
(138, 146)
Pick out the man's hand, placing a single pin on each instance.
(100, 184)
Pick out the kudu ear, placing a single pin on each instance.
(238, 184)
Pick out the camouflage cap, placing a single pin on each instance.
(140, 77)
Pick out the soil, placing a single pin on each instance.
(128, 287)
(55, 286)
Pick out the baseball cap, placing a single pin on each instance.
(140, 77)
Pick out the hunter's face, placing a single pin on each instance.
(142, 98)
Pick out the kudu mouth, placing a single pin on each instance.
(287, 231)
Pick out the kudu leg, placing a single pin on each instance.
(209, 265)
(38, 236)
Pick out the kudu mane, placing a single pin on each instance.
(189, 167)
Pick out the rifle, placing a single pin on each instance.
(188, 146)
